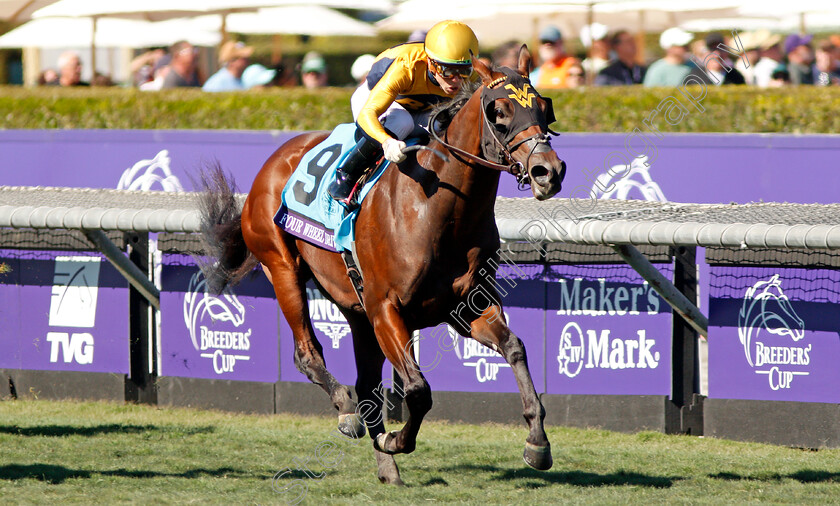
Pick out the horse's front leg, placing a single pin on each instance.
(491, 330)
(394, 340)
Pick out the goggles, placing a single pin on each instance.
(450, 71)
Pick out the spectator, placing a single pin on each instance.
(507, 55)
(576, 76)
(779, 77)
(556, 64)
(751, 42)
(48, 77)
(70, 70)
(719, 68)
(182, 67)
(313, 71)
(159, 74)
(101, 80)
(826, 69)
(233, 57)
(257, 76)
(360, 68)
(595, 39)
(623, 70)
(672, 69)
(143, 66)
(771, 57)
(800, 59)
(835, 41)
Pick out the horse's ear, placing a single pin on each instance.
(524, 60)
(482, 70)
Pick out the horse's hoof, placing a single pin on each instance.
(351, 425)
(382, 441)
(387, 470)
(391, 481)
(538, 457)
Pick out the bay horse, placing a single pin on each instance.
(426, 238)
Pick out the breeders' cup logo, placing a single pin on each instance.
(146, 174)
(224, 347)
(766, 308)
(326, 317)
(486, 362)
(618, 182)
(599, 350)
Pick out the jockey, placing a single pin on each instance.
(398, 94)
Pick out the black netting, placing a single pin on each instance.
(829, 259)
(180, 243)
(43, 239)
(572, 254)
(812, 285)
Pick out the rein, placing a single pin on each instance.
(517, 169)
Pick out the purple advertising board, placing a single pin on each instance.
(607, 332)
(774, 334)
(62, 311)
(333, 332)
(131, 159)
(229, 337)
(458, 364)
(681, 167)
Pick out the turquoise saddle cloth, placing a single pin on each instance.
(308, 211)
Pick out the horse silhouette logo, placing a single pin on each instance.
(766, 307)
(335, 331)
(616, 184)
(198, 303)
(146, 174)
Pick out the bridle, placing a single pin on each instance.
(494, 147)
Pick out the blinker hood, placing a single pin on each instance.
(526, 110)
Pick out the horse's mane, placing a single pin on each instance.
(447, 110)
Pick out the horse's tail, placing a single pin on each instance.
(221, 231)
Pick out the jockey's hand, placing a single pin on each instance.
(393, 150)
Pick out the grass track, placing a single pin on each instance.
(103, 453)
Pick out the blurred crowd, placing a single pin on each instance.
(758, 58)
(605, 58)
(178, 67)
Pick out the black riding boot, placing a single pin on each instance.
(363, 155)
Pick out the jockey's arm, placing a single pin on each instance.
(395, 81)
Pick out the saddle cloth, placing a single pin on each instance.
(308, 211)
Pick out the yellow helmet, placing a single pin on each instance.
(450, 42)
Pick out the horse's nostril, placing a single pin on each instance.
(539, 173)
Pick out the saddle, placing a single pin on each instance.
(308, 211)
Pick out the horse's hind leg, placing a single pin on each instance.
(491, 330)
(369, 388)
(394, 338)
(309, 358)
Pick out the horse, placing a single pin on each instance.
(426, 239)
(767, 307)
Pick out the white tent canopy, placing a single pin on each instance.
(156, 10)
(78, 32)
(300, 20)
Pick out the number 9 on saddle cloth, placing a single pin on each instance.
(308, 211)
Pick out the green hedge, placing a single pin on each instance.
(620, 109)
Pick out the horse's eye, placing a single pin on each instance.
(500, 114)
